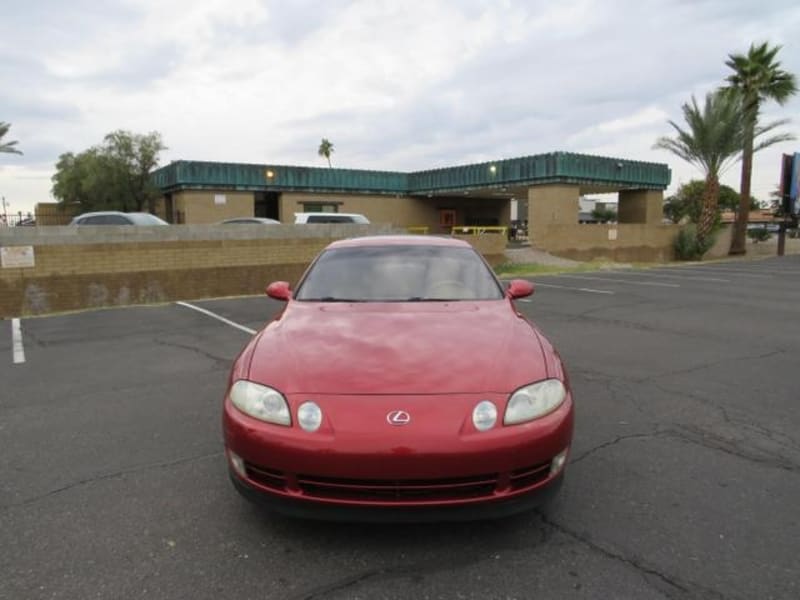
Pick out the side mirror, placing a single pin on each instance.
(519, 288)
(279, 290)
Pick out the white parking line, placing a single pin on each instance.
(754, 268)
(652, 283)
(16, 342)
(654, 273)
(564, 287)
(217, 317)
(650, 273)
(714, 270)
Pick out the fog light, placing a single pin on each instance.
(238, 464)
(309, 416)
(558, 462)
(484, 415)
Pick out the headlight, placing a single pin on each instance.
(534, 401)
(260, 402)
(484, 415)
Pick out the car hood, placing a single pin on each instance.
(399, 348)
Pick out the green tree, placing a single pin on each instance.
(756, 78)
(687, 202)
(114, 175)
(7, 147)
(604, 215)
(711, 142)
(325, 150)
(132, 157)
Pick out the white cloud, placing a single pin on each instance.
(395, 85)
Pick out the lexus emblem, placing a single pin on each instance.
(398, 417)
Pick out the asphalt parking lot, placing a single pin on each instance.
(684, 479)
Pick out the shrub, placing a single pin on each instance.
(688, 247)
(759, 234)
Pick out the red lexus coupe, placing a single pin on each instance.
(399, 383)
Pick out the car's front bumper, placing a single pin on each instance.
(422, 474)
(303, 508)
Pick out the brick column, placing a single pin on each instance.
(556, 204)
(641, 206)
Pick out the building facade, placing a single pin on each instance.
(436, 200)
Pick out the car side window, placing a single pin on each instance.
(115, 220)
(329, 219)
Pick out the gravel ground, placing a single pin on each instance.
(528, 255)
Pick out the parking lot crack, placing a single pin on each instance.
(220, 360)
(738, 448)
(745, 426)
(613, 442)
(324, 591)
(672, 586)
(412, 570)
(114, 475)
(707, 365)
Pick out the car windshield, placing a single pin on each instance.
(398, 273)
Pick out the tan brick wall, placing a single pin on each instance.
(76, 268)
(75, 276)
(491, 245)
(401, 211)
(624, 242)
(88, 267)
(199, 207)
(54, 213)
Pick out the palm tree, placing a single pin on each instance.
(711, 142)
(325, 149)
(756, 78)
(7, 146)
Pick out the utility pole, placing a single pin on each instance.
(5, 211)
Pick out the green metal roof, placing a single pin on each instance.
(554, 167)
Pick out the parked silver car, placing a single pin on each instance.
(113, 217)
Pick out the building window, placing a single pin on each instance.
(326, 207)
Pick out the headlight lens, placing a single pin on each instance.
(260, 402)
(484, 415)
(309, 416)
(534, 401)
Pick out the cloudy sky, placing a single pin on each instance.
(398, 85)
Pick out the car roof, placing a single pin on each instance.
(102, 213)
(328, 214)
(399, 240)
(251, 220)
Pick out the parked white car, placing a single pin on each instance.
(323, 217)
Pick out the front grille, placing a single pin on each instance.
(523, 478)
(267, 477)
(401, 490)
(404, 490)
